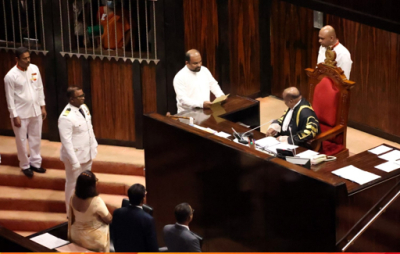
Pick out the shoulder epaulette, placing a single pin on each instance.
(67, 111)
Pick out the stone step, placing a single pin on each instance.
(110, 159)
(30, 221)
(43, 200)
(54, 179)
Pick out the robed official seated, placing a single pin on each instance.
(298, 124)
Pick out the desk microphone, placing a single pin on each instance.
(259, 126)
(291, 137)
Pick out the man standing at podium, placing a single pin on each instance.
(327, 38)
(298, 124)
(193, 84)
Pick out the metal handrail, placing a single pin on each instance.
(370, 222)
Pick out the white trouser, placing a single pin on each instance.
(31, 127)
(70, 179)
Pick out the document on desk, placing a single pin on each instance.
(391, 156)
(355, 174)
(267, 142)
(221, 98)
(72, 248)
(389, 166)
(380, 149)
(223, 134)
(307, 154)
(49, 240)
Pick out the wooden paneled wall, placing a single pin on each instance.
(376, 61)
(244, 47)
(201, 30)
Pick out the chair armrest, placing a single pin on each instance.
(317, 141)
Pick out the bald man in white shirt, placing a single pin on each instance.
(193, 84)
(25, 101)
(327, 38)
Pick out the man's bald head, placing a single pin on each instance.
(291, 96)
(193, 60)
(327, 36)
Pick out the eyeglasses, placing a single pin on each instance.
(80, 96)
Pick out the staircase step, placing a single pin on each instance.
(30, 221)
(110, 159)
(42, 200)
(54, 179)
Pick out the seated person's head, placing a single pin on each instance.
(86, 185)
(183, 213)
(136, 194)
(114, 6)
(291, 96)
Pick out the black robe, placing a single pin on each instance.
(304, 124)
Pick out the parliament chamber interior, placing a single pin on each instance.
(329, 183)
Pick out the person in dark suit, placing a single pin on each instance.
(178, 236)
(133, 230)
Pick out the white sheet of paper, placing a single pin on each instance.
(355, 174)
(380, 149)
(49, 241)
(267, 142)
(205, 129)
(223, 134)
(307, 154)
(388, 166)
(391, 156)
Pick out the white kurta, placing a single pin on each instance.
(343, 58)
(193, 88)
(24, 95)
(24, 92)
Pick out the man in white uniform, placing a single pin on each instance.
(25, 101)
(79, 145)
(193, 84)
(327, 38)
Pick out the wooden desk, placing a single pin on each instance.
(246, 200)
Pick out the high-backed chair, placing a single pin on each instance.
(330, 99)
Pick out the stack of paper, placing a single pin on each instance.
(380, 149)
(49, 241)
(388, 166)
(355, 174)
(391, 156)
(223, 134)
(267, 142)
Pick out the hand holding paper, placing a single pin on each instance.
(220, 99)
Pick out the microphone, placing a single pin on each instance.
(259, 126)
(291, 137)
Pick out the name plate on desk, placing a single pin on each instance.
(304, 162)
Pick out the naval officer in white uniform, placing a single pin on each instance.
(79, 145)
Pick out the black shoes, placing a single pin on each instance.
(28, 172)
(38, 170)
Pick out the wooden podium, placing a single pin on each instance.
(246, 200)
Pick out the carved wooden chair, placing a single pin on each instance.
(330, 99)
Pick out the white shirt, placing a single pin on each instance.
(343, 58)
(182, 225)
(24, 92)
(193, 88)
(288, 117)
(78, 143)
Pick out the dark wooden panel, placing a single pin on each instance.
(112, 100)
(6, 63)
(244, 47)
(294, 46)
(74, 66)
(201, 30)
(149, 88)
(376, 61)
